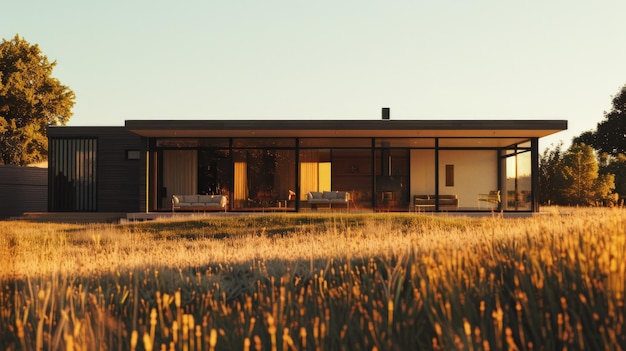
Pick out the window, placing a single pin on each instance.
(72, 171)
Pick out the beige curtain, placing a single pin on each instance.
(180, 173)
(240, 195)
(309, 171)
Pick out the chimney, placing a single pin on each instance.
(385, 112)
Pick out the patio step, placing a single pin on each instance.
(72, 217)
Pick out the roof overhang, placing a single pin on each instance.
(346, 128)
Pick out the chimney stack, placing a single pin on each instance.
(385, 112)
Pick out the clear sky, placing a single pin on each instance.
(231, 59)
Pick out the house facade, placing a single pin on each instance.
(384, 165)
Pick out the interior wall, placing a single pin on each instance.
(475, 172)
(422, 172)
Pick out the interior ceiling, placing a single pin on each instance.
(480, 142)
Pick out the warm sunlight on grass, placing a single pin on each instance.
(317, 282)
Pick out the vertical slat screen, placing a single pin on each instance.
(72, 166)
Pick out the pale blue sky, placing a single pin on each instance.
(323, 59)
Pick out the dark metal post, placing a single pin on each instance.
(534, 174)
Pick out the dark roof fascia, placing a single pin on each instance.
(169, 125)
(65, 131)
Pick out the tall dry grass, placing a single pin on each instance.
(330, 282)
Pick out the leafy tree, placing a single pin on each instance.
(550, 182)
(609, 139)
(617, 167)
(575, 177)
(610, 134)
(30, 100)
(582, 184)
(588, 137)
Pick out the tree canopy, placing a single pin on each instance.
(610, 134)
(550, 181)
(30, 100)
(582, 183)
(573, 177)
(609, 140)
(616, 166)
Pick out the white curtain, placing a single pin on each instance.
(180, 173)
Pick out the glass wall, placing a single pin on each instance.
(315, 171)
(392, 179)
(384, 174)
(264, 179)
(352, 172)
(517, 187)
(337, 169)
(466, 178)
(336, 164)
(214, 172)
(72, 169)
(422, 178)
(179, 174)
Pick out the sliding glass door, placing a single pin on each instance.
(264, 179)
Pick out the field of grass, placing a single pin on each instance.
(317, 282)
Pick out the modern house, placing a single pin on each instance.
(384, 165)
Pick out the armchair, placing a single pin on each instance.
(492, 198)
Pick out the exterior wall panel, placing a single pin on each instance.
(23, 189)
(120, 181)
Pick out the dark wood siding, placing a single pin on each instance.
(120, 181)
(22, 189)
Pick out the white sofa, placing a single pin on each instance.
(329, 198)
(199, 202)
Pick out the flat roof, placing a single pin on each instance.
(346, 128)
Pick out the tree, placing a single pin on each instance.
(581, 182)
(617, 167)
(588, 137)
(30, 100)
(609, 139)
(610, 134)
(574, 177)
(549, 176)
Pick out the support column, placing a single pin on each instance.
(534, 174)
(436, 174)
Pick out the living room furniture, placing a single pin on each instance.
(199, 203)
(424, 207)
(328, 198)
(428, 202)
(388, 201)
(492, 198)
